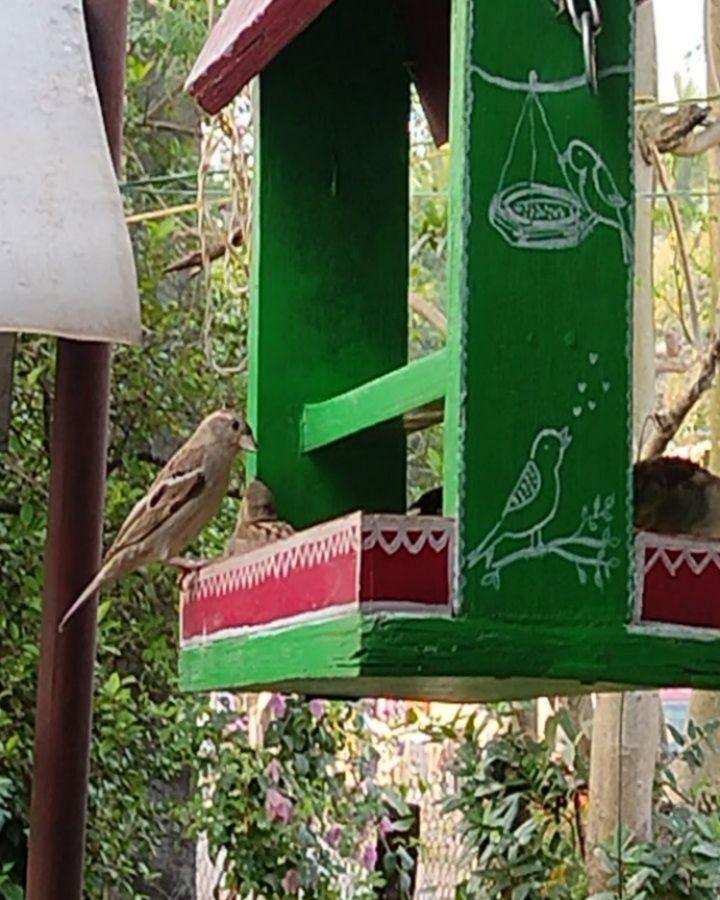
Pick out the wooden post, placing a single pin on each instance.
(74, 544)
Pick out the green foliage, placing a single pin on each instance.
(520, 806)
(300, 812)
(683, 860)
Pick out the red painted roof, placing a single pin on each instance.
(251, 33)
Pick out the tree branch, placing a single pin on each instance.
(195, 260)
(423, 307)
(668, 423)
(682, 244)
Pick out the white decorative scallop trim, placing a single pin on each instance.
(318, 546)
(695, 554)
(413, 535)
(279, 559)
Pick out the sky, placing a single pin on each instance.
(679, 30)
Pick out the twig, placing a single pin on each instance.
(195, 260)
(175, 127)
(700, 142)
(684, 256)
(171, 210)
(428, 311)
(668, 424)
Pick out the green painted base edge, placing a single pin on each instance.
(446, 659)
(327, 649)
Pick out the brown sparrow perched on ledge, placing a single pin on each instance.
(258, 523)
(180, 502)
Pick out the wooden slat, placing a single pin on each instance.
(415, 385)
(247, 37)
(329, 308)
(251, 33)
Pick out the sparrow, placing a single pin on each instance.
(258, 523)
(428, 504)
(597, 189)
(534, 500)
(676, 496)
(180, 502)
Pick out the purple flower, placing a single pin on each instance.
(277, 807)
(239, 724)
(385, 826)
(369, 856)
(334, 836)
(317, 709)
(278, 705)
(273, 772)
(291, 881)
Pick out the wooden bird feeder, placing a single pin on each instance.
(533, 582)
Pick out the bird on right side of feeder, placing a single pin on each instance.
(428, 504)
(258, 523)
(673, 495)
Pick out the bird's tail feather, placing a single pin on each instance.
(484, 548)
(85, 595)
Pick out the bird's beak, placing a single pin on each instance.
(247, 441)
(565, 438)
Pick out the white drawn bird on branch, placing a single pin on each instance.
(533, 501)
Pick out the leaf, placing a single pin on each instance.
(112, 685)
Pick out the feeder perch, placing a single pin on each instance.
(533, 582)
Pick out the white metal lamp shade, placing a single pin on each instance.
(66, 264)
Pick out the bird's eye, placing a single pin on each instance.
(235, 425)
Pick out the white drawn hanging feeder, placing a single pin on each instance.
(538, 208)
(66, 264)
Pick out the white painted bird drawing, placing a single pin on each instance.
(534, 499)
(596, 187)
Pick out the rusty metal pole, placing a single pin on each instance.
(74, 543)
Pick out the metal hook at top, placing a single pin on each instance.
(588, 25)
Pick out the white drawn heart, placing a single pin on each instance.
(582, 386)
(591, 405)
(593, 357)
(606, 386)
(577, 411)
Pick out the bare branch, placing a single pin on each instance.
(425, 308)
(682, 244)
(667, 131)
(699, 142)
(668, 424)
(195, 260)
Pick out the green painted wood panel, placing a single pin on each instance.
(441, 658)
(544, 299)
(381, 400)
(329, 307)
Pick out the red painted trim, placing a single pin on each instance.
(249, 34)
(679, 581)
(366, 563)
